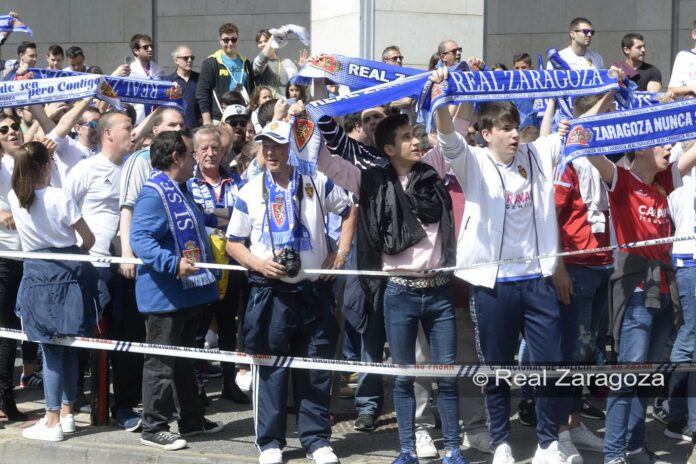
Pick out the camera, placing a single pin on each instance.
(290, 259)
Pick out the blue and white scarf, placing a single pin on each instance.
(188, 242)
(34, 92)
(11, 24)
(284, 217)
(203, 193)
(628, 130)
(128, 89)
(355, 73)
(305, 143)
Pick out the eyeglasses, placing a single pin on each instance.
(237, 122)
(454, 51)
(587, 32)
(5, 129)
(395, 58)
(229, 39)
(146, 47)
(92, 124)
(187, 58)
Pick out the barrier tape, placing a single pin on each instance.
(231, 267)
(415, 370)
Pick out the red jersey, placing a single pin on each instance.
(641, 212)
(574, 227)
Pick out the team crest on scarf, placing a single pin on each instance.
(172, 94)
(579, 136)
(191, 251)
(107, 90)
(438, 89)
(303, 130)
(309, 190)
(278, 213)
(328, 63)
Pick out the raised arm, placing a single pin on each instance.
(688, 160)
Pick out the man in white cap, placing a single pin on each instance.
(290, 313)
(236, 116)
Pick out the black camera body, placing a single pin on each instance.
(290, 259)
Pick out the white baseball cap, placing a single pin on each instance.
(278, 131)
(234, 110)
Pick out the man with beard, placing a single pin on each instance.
(646, 76)
(236, 117)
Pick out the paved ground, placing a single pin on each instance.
(109, 444)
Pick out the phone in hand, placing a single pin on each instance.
(292, 101)
(128, 60)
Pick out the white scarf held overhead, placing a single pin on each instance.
(279, 37)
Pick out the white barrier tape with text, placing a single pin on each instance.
(418, 370)
(230, 267)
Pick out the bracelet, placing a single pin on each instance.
(342, 254)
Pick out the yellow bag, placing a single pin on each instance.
(217, 245)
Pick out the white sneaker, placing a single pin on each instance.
(323, 455)
(584, 439)
(479, 441)
(243, 380)
(566, 446)
(550, 455)
(211, 340)
(40, 431)
(67, 423)
(271, 456)
(503, 454)
(425, 448)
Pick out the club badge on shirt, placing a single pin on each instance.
(309, 190)
(522, 171)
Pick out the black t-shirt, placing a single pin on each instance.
(647, 73)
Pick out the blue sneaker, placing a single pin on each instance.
(128, 419)
(406, 457)
(455, 458)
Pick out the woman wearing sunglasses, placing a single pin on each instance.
(225, 70)
(10, 270)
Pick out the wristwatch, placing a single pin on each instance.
(342, 254)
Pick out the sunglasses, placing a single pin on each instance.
(187, 58)
(587, 32)
(92, 124)
(146, 47)
(229, 39)
(454, 51)
(5, 129)
(396, 58)
(235, 122)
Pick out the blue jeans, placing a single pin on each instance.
(404, 309)
(644, 333)
(369, 396)
(683, 348)
(580, 322)
(527, 306)
(59, 375)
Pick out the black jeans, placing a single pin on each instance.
(10, 276)
(167, 379)
(125, 323)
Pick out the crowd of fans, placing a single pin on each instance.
(212, 183)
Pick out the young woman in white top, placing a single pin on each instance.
(55, 298)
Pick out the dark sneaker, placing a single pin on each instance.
(660, 411)
(364, 423)
(128, 419)
(526, 412)
(233, 393)
(678, 431)
(644, 456)
(163, 440)
(208, 427)
(590, 411)
(405, 457)
(33, 380)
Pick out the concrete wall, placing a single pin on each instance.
(103, 28)
(414, 25)
(534, 25)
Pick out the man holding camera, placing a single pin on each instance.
(290, 313)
